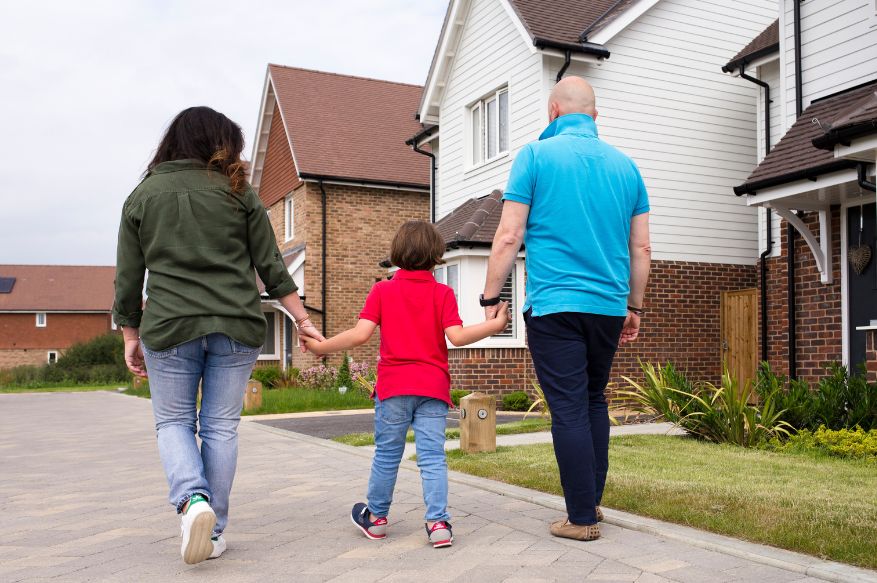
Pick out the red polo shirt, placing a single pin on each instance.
(413, 311)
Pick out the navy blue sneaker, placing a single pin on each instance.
(440, 534)
(374, 530)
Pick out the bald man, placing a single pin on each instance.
(581, 207)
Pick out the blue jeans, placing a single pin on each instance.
(428, 417)
(222, 366)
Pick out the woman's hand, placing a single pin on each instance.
(306, 329)
(631, 329)
(133, 353)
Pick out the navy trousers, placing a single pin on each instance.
(572, 354)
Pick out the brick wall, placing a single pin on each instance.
(19, 331)
(819, 333)
(13, 358)
(682, 325)
(279, 176)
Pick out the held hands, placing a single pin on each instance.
(630, 331)
(499, 315)
(311, 344)
(308, 335)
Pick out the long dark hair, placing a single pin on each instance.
(201, 133)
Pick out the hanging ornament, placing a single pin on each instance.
(860, 255)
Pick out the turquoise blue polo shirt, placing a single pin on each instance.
(582, 194)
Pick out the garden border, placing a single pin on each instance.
(775, 557)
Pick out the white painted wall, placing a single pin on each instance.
(663, 100)
(491, 53)
(838, 48)
(769, 73)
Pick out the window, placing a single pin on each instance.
(52, 357)
(269, 349)
(41, 319)
(450, 276)
(489, 123)
(507, 294)
(289, 218)
(113, 324)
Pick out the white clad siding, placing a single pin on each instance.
(770, 73)
(491, 53)
(663, 99)
(838, 48)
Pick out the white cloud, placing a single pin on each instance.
(88, 88)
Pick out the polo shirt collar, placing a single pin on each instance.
(414, 275)
(177, 165)
(578, 124)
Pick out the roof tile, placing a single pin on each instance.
(63, 288)
(767, 41)
(564, 20)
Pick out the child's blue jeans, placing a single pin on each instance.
(428, 417)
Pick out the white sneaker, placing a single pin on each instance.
(219, 547)
(197, 526)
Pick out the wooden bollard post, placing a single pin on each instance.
(477, 423)
(253, 396)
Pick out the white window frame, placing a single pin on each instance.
(289, 218)
(41, 319)
(441, 275)
(49, 355)
(113, 325)
(478, 155)
(276, 355)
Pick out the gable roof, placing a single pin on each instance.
(795, 157)
(342, 127)
(58, 288)
(766, 43)
(859, 119)
(472, 223)
(568, 22)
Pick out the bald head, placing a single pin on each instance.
(572, 95)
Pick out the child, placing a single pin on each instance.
(413, 388)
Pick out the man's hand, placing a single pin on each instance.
(308, 331)
(490, 312)
(134, 357)
(501, 316)
(630, 332)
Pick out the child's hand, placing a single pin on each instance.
(313, 345)
(502, 316)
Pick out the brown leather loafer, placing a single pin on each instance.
(599, 514)
(565, 529)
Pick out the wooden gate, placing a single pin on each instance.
(740, 333)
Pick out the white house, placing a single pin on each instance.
(820, 69)
(661, 99)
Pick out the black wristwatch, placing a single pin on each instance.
(488, 302)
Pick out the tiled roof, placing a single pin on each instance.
(767, 42)
(795, 157)
(473, 222)
(859, 119)
(564, 21)
(350, 128)
(58, 288)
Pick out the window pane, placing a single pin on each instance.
(454, 279)
(490, 114)
(504, 121)
(476, 134)
(270, 347)
(508, 295)
(439, 274)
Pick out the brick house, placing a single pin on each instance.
(44, 309)
(661, 100)
(814, 186)
(331, 166)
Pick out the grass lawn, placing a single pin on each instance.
(62, 389)
(821, 506)
(523, 426)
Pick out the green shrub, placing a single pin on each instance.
(516, 401)
(344, 379)
(839, 400)
(269, 376)
(458, 394)
(95, 362)
(721, 414)
(106, 349)
(844, 443)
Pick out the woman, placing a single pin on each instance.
(199, 229)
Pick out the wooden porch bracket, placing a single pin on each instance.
(821, 248)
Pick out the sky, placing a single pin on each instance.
(88, 88)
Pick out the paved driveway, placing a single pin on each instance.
(82, 499)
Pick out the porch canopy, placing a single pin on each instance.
(826, 158)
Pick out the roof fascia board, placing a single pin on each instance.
(363, 183)
(798, 187)
(519, 25)
(578, 57)
(625, 19)
(257, 160)
(452, 29)
(859, 149)
(285, 128)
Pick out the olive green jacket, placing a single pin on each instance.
(199, 243)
